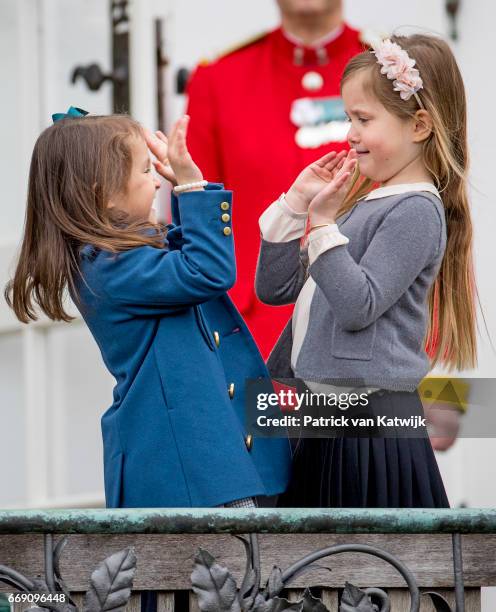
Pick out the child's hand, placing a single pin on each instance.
(443, 424)
(185, 169)
(312, 179)
(158, 145)
(327, 202)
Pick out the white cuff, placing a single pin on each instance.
(280, 223)
(323, 239)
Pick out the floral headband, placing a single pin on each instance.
(398, 66)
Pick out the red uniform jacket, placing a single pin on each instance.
(241, 134)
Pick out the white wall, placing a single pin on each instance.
(474, 52)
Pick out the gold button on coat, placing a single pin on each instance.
(227, 231)
(249, 441)
(225, 217)
(216, 338)
(231, 390)
(224, 205)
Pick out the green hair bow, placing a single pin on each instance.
(72, 112)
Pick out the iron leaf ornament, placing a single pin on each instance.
(250, 586)
(356, 600)
(214, 585)
(279, 604)
(311, 603)
(438, 601)
(217, 591)
(111, 583)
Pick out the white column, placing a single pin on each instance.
(142, 62)
(37, 415)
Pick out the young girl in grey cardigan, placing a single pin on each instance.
(381, 271)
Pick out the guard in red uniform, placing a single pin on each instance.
(259, 115)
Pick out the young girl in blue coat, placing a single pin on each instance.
(155, 300)
(385, 269)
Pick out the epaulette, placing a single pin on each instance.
(241, 45)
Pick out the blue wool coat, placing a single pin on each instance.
(180, 353)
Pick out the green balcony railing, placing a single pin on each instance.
(351, 559)
(228, 520)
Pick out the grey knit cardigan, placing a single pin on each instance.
(368, 315)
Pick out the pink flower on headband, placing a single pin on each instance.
(399, 67)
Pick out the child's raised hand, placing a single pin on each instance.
(158, 145)
(313, 179)
(328, 200)
(185, 169)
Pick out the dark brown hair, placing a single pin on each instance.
(77, 166)
(451, 334)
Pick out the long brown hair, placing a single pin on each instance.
(77, 166)
(451, 333)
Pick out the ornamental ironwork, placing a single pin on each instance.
(111, 583)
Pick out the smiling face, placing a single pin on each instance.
(137, 199)
(389, 148)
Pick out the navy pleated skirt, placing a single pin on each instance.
(368, 472)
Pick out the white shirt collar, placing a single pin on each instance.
(382, 192)
(321, 42)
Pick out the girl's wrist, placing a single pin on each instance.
(296, 201)
(181, 187)
(318, 226)
(194, 177)
(318, 220)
